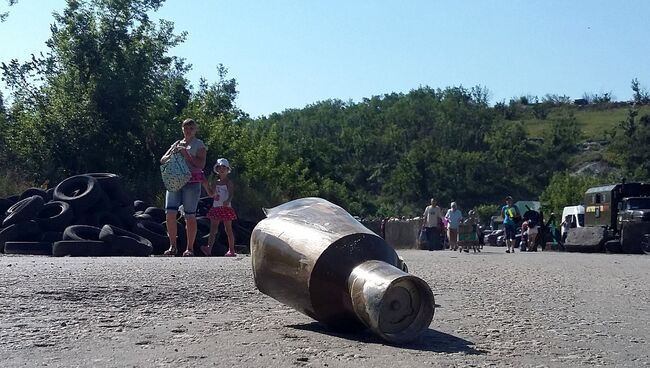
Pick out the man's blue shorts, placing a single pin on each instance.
(511, 231)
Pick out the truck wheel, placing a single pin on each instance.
(645, 244)
(631, 236)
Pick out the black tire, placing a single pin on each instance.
(22, 231)
(102, 204)
(112, 185)
(28, 247)
(155, 233)
(126, 246)
(51, 236)
(220, 246)
(204, 205)
(143, 216)
(100, 219)
(80, 248)
(125, 243)
(157, 214)
(631, 236)
(202, 225)
(126, 215)
(5, 203)
(55, 216)
(242, 229)
(23, 210)
(14, 198)
(80, 191)
(81, 232)
(139, 205)
(645, 244)
(35, 191)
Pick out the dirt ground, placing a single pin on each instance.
(494, 309)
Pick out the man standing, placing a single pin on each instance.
(511, 217)
(432, 218)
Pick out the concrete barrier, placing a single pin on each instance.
(400, 234)
(403, 234)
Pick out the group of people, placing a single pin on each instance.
(434, 223)
(194, 151)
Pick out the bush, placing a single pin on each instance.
(12, 183)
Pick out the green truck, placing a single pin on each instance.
(617, 217)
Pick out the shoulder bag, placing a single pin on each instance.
(175, 172)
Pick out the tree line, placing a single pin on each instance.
(108, 96)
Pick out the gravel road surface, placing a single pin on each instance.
(544, 309)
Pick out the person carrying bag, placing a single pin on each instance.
(175, 172)
(182, 172)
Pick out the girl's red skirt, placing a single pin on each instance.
(222, 213)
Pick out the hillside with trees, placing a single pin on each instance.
(109, 97)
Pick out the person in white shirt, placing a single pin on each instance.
(432, 218)
(454, 217)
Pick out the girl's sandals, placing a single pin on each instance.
(170, 252)
(188, 253)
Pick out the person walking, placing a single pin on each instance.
(432, 219)
(221, 207)
(566, 227)
(454, 217)
(511, 217)
(531, 232)
(194, 152)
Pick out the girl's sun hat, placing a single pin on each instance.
(221, 162)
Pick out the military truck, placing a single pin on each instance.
(617, 217)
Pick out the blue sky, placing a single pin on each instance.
(288, 54)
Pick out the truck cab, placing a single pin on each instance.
(617, 218)
(633, 209)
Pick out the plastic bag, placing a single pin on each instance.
(423, 236)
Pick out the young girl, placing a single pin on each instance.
(221, 209)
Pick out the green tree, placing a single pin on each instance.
(99, 97)
(565, 189)
(641, 95)
(631, 145)
(5, 14)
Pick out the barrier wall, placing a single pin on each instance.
(400, 234)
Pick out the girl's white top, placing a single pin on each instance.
(220, 195)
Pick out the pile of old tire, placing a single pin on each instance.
(67, 220)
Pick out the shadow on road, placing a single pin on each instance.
(431, 340)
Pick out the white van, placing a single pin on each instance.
(575, 215)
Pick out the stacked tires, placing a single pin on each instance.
(84, 215)
(92, 215)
